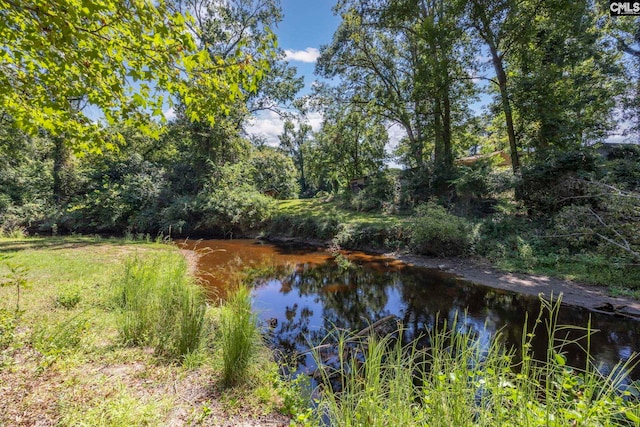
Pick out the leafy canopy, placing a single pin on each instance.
(127, 59)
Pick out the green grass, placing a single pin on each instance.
(63, 360)
(457, 382)
(160, 306)
(240, 338)
(317, 208)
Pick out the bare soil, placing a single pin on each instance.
(480, 271)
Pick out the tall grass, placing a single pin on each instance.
(240, 337)
(460, 382)
(160, 306)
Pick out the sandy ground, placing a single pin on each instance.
(592, 297)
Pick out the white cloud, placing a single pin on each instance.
(310, 55)
(315, 120)
(169, 114)
(267, 125)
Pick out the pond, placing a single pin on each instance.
(306, 294)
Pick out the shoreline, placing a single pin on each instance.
(591, 297)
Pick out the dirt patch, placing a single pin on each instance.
(591, 297)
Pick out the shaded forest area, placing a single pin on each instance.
(560, 81)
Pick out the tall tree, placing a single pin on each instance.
(503, 25)
(293, 140)
(351, 142)
(566, 79)
(404, 61)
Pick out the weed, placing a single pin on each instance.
(160, 306)
(7, 328)
(68, 297)
(56, 337)
(239, 336)
(460, 381)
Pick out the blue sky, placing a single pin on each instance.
(306, 26)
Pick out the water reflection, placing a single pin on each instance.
(303, 302)
(310, 301)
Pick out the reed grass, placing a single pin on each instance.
(240, 337)
(459, 381)
(160, 306)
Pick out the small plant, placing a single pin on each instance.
(239, 336)
(68, 298)
(17, 277)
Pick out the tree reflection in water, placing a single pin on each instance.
(308, 302)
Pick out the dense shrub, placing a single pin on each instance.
(548, 186)
(306, 226)
(273, 172)
(233, 210)
(366, 236)
(624, 167)
(434, 231)
(377, 193)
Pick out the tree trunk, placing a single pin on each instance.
(506, 106)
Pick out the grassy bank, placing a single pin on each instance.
(113, 332)
(326, 220)
(508, 241)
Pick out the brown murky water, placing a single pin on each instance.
(313, 295)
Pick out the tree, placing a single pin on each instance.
(502, 25)
(351, 144)
(626, 34)
(124, 58)
(404, 62)
(293, 141)
(273, 172)
(566, 79)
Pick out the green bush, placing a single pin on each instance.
(366, 236)
(160, 306)
(273, 171)
(434, 231)
(240, 336)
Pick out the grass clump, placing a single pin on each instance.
(240, 337)
(160, 306)
(461, 381)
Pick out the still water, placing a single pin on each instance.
(309, 295)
